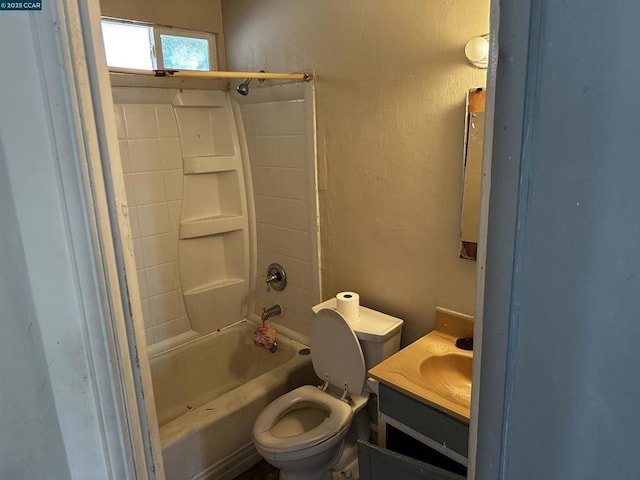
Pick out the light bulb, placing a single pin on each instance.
(477, 51)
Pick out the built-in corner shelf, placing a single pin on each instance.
(201, 98)
(212, 306)
(219, 285)
(211, 164)
(213, 225)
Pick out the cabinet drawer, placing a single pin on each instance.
(424, 419)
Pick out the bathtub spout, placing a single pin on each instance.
(274, 347)
(272, 311)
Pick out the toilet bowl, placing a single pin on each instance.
(302, 432)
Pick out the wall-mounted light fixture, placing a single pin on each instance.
(477, 51)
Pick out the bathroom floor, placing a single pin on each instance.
(260, 471)
(264, 471)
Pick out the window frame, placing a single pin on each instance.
(158, 30)
(155, 30)
(120, 21)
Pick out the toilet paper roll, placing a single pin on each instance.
(348, 305)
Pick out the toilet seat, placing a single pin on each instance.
(339, 418)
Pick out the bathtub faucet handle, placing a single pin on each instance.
(276, 277)
(270, 279)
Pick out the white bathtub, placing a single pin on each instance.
(208, 394)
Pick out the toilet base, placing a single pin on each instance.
(349, 471)
(314, 473)
(284, 475)
(348, 462)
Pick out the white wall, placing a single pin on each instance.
(391, 86)
(31, 444)
(61, 407)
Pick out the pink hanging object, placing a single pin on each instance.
(264, 336)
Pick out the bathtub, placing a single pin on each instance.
(208, 393)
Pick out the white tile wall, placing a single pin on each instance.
(152, 168)
(282, 169)
(279, 139)
(153, 219)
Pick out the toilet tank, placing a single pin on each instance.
(378, 333)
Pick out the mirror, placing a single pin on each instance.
(472, 176)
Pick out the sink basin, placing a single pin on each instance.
(449, 375)
(432, 369)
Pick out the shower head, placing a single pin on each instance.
(243, 88)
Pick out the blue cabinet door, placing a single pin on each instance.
(377, 463)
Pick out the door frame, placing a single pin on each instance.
(481, 258)
(89, 79)
(69, 47)
(140, 400)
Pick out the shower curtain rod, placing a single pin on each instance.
(215, 74)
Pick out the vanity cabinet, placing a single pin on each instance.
(415, 440)
(424, 399)
(440, 431)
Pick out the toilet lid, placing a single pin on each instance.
(336, 352)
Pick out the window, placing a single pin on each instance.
(128, 45)
(184, 53)
(150, 47)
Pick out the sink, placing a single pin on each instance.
(433, 370)
(449, 375)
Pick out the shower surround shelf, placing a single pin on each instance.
(221, 284)
(213, 225)
(210, 306)
(211, 164)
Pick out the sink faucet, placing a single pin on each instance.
(271, 311)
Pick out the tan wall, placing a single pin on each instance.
(203, 15)
(391, 85)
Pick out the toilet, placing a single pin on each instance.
(303, 432)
